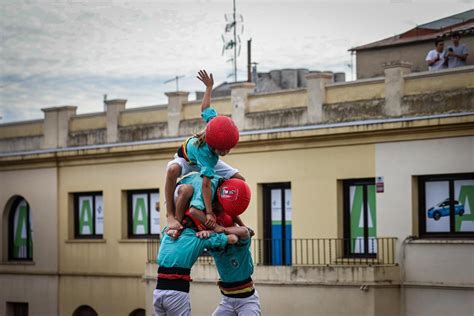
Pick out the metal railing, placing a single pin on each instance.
(311, 251)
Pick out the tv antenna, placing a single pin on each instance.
(231, 38)
(175, 79)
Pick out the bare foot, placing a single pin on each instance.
(174, 224)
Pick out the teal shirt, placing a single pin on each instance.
(184, 251)
(204, 156)
(234, 263)
(197, 201)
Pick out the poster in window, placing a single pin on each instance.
(140, 214)
(85, 215)
(356, 206)
(99, 215)
(463, 205)
(155, 214)
(20, 226)
(437, 209)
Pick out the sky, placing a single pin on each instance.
(55, 53)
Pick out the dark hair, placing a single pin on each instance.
(438, 40)
(456, 34)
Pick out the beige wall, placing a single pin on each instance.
(302, 290)
(110, 296)
(21, 129)
(437, 274)
(278, 100)
(355, 91)
(435, 301)
(30, 184)
(444, 80)
(396, 212)
(39, 291)
(33, 282)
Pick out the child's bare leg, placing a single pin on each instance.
(172, 175)
(185, 192)
(197, 214)
(238, 176)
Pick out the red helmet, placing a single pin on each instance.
(224, 219)
(221, 133)
(234, 196)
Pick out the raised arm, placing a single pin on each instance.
(208, 81)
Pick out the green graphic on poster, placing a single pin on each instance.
(85, 216)
(21, 240)
(465, 221)
(140, 215)
(357, 217)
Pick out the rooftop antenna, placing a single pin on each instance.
(175, 79)
(231, 40)
(105, 102)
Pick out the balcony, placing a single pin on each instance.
(310, 252)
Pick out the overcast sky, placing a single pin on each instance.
(72, 52)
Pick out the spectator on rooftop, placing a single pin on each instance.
(436, 58)
(457, 53)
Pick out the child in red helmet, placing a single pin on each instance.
(201, 153)
(230, 199)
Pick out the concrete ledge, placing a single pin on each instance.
(444, 72)
(356, 82)
(442, 241)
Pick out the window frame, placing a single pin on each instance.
(15, 307)
(130, 194)
(267, 223)
(29, 237)
(450, 178)
(365, 182)
(77, 195)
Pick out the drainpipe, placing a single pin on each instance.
(403, 310)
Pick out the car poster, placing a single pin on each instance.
(437, 206)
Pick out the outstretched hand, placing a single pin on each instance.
(208, 80)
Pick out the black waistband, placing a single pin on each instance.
(174, 270)
(173, 284)
(169, 284)
(240, 295)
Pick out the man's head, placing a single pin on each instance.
(234, 196)
(455, 38)
(439, 44)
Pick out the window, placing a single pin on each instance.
(143, 215)
(277, 206)
(88, 215)
(20, 240)
(360, 218)
(138, 312)
(84, 310)
(17, 309)
(445, 205)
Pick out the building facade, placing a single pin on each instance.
(362, 195)
(413, 45)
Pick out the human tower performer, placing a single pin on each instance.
(203, 210)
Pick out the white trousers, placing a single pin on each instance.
(221, 169)
(248, 306)
(171, 303)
